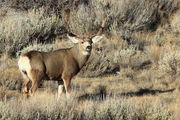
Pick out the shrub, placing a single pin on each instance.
(124, 16)
(9, 74)
(11, 79)
(50, 6)
(114, 109)
(38, 47)
(17, 32)
(98, 65)
(170, 62)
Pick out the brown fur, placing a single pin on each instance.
(60, 65)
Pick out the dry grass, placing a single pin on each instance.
(93, 101)
(142, 94)
(170, 62)
(132, 74)
(133, 94)
(10, 77)
(43, 107)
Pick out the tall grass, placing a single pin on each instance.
(113, 109)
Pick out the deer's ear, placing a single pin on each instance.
(73, 38)
(97, 38)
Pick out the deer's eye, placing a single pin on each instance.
(82, 42)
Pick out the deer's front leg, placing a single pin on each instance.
(60, 88)
(67, 84)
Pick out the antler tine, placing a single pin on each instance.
(101, 29)
(67, 24)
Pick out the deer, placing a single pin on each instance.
(60, 65)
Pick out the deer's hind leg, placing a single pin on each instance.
(36, 77)
(26, 84)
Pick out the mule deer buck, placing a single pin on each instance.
(61, 65)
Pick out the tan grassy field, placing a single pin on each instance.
(142, 94)
(132, 74)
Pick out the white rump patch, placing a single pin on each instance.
(24, 64)
(85, 53)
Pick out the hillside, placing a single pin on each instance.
(136, 65)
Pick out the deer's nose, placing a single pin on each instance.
(89, 47)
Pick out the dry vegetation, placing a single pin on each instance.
(133, 73)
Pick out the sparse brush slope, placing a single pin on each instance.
(138, 33)
(141, 46)
(36, 24)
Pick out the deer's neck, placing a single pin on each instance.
(80, 58)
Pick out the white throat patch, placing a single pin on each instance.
(85, 53)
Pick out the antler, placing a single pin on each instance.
(67, 25)
(101, 29)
